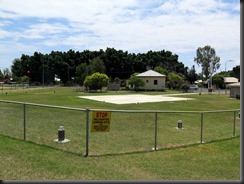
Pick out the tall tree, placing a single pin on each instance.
(1, 75)
(82, 71)
(218, 81)
(192, 75)
(67, 65)
(204, 57)
(235, 72)
(174, 81)
(16, 69)
(97, 65)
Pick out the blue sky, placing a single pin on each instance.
(136, 26)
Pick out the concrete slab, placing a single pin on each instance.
(130, 99)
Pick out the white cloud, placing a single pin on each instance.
(180, 26)
(43, 30)
(75, 10)
(4, 34)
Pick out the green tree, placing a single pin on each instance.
(24, 79)
(82, 71)
(235, 72)
(185, 86)
(204, 56)
(96, 81)
(192, 75)
(136, 82)
(1, 75)
(112, 62)
(17, 69)
(97, 65)
(175, 81)
(161, 70)
(218, 81)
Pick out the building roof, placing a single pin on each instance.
(230, 80)
(150, 73)
(237, 84)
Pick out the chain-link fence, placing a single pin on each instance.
(39, 124)
(129, 130)
(133, 131)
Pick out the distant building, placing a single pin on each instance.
(235, 90)
(153, 80)
(230, 80)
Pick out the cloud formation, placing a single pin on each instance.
(180, 26)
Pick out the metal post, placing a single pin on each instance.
(42, 73)
(156, 129)
(24, 122)
(201, 134)
(87, 132)
(202, 81)
(234, 125)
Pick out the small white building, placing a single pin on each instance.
(153, 80)
(230, 80)
(235, 90)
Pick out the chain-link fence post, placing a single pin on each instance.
(156, 131)
(87, 132)
(201, 134)
(24, 119)
(234, 124)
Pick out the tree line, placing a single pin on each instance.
(72, 67)
(75, 66)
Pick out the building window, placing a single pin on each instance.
(155, 82)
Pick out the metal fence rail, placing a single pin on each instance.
(130, 130)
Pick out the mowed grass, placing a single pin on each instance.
(68, 97)
(212, 161)
(129, 133)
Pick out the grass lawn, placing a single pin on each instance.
(213, 161)
(68, 97)
(219, 160)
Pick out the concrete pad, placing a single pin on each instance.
(130, 99)
(64, 141)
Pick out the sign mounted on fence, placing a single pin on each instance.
(101, 121)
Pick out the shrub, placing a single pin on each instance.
(96, 81)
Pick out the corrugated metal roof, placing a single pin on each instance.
(230, 80)
(150, 73)
(235, 84)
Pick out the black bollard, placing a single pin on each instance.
(180, 124)
(61, 133)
